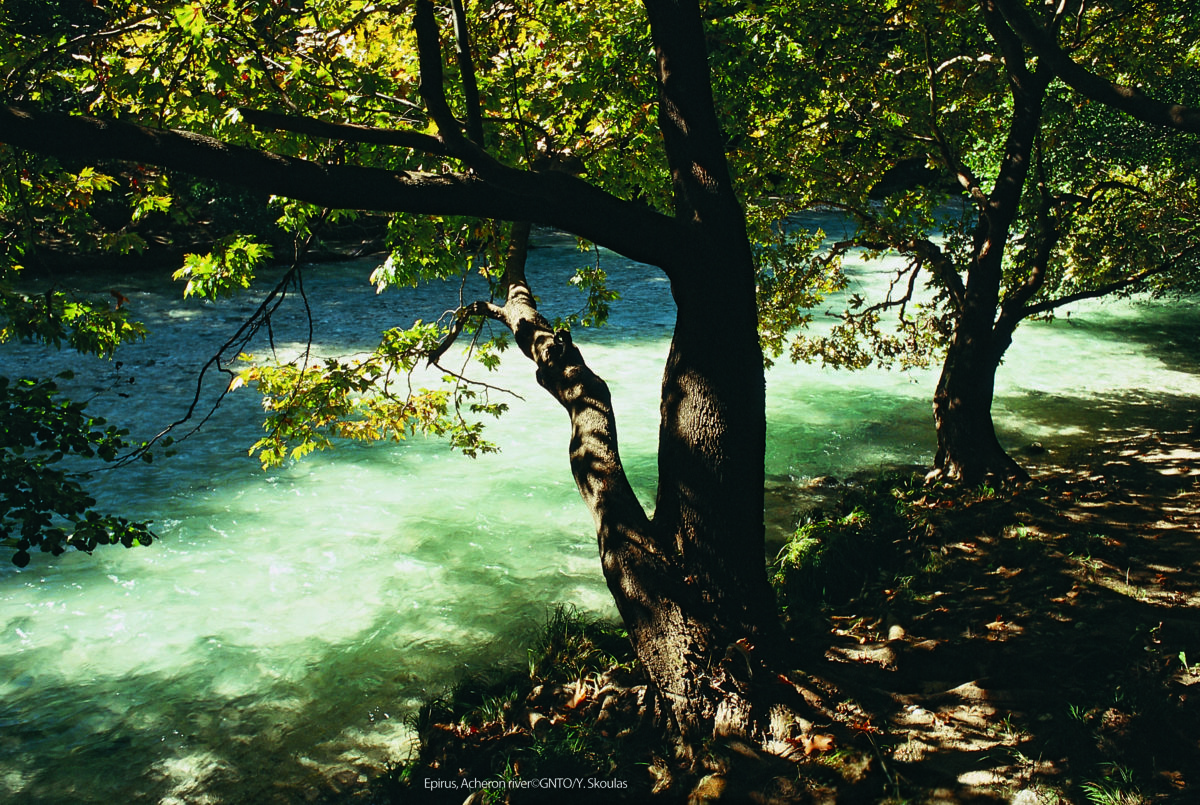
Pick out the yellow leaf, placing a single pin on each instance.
(816, 743)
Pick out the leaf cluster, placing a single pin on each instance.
(370, 399)
(42, 504)
(592, 280)
(228, 268)
(906, 114)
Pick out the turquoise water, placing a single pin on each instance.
(276, 636)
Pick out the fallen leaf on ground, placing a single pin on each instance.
(1175, 778)
(580, 695)
(816, 743)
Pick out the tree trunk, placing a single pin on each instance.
(968, 450)
(717, 607)
(691, 583)
(698, 604)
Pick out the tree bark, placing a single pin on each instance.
(552, 198)
(968, 449)
(703, 646)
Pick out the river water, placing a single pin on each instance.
(271, 644)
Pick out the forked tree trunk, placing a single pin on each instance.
(700, 642)
(699, 607)
(968, 449)
(690, 583)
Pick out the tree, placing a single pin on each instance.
(362, 116)
(1001, 188)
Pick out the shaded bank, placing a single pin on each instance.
(1029, 646)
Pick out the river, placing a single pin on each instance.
(271, 644)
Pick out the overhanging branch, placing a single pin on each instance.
(1127, 99)
(926, 252)
(345, 132)
(550, 198)
(1095, 293)
(621, 521)
(1170, 263)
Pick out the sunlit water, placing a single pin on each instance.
(270, 644)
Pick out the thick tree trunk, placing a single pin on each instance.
(968, 449)
(703, 645)
(691, 584)
(698, 604)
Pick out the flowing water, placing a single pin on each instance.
(270, 645)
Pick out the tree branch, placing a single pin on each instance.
(479, 309)
(433, 90)
(695, 145)
(345, 132)
(965, 176)
(1006, 39)
(429, 53)
(927, 252)
(1028, 91)
(1062, 199)
(466, 68)
(931, 253)
(1127, 99)
(912, 269)
(1013, 310)
(551, 198)
(596, 465)
(1095, 293)
(621, 522)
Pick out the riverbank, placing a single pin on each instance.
(1041, 646)
(164, 247)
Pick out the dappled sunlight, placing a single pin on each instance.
(1027, 627)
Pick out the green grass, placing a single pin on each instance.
(573, 645)
(834, 553)
(495, 710)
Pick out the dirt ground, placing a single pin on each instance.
(1050, 652)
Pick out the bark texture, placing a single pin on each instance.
(968, 448)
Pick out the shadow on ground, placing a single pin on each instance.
(1033, 646)
(1045, 645)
